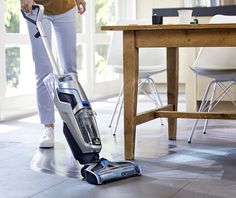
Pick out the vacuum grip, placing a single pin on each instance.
(38, 10)
(36, 17)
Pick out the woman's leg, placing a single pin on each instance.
(65, 31)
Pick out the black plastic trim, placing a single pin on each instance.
(197, 11)
(83, 158)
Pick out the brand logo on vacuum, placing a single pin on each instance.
(127, 173)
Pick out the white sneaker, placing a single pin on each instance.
(47, 139)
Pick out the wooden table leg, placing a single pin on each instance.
(130, 92)
(172, 87)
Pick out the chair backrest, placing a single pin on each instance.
(147, 56)
(217, 57)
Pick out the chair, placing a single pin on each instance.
(218, 63)
(151, 62)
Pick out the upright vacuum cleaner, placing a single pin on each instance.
(80, 127)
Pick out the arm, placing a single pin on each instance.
(26, 5)
(81, 5)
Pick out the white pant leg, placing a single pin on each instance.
(42, 69)
(65, 30)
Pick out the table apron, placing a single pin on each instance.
(185, 38)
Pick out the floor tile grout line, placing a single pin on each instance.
(194, 179)
(180, 189)
(47, 188)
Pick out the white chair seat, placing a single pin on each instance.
(218, 74)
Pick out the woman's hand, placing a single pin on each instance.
(26, 5)
(81, 5)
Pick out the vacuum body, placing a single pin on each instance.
(80, 127)
(79, 123)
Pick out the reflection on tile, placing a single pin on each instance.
(214, 151)
(58, 160)
(4, 128)
(174, 174)
(189, 160)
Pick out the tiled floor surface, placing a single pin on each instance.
(206, 168)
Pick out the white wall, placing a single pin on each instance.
(187, 55)
(144, 8)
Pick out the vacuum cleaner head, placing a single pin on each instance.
(106, 171)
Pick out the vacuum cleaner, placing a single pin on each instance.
(79, 123)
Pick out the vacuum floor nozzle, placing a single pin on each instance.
(106, 171)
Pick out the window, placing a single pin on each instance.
(17, 82)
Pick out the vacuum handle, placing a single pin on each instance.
(38, 22)
(39, 14)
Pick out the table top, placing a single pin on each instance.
(131, 27)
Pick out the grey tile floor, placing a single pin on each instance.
(206, 168)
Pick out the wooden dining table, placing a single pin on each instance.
(172, 37)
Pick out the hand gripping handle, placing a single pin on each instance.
(36, 17)
(39, 14)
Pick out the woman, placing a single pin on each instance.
(61, 16)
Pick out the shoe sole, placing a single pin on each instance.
(46, 146)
